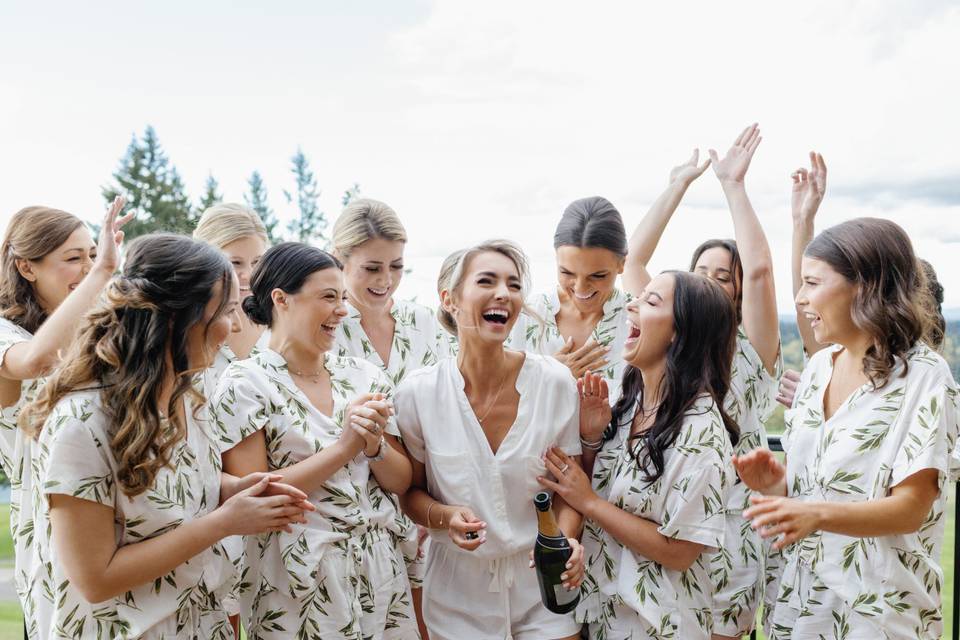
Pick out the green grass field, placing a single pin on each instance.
(11, 620)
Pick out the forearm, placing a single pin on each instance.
(640, 535)
(759, 307)
(802, 235)
(393, 473)
(42, 353)
(416, 504)
(308, 475)
(569, 519)
(646, 236)
(141, 563)
(887, 516)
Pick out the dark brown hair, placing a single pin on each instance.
(877, 257)
(33, 233)
(699, 361)
(124, 345)
(736, 268)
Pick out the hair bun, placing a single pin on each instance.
(257, 313)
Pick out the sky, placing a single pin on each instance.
(479, 120)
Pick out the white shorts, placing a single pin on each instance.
(465, 597)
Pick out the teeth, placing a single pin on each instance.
(497, 312)
(378, 292)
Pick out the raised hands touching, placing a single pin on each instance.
(809, 185)
(689, 171)
(733, 167)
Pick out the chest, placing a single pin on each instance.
(380, 336)
(497, 418)
(579, 328)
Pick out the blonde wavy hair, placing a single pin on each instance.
(125, 348)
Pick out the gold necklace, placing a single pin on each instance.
(493, 402)
(313, 377)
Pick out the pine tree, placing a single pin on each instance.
(153, 189)
(256, 199)
(350, 194)
(210, 195)
(311, 222)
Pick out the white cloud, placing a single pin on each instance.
(485, 119)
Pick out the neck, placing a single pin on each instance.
(241, 343)
(370, 313)
(482, 364)
(855, 347)
(652, 378)
(300, 356)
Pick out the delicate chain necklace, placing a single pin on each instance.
(313, 377)
(493, 402)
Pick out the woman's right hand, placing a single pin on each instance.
(463, 522)
(590, 357)
(762, 472)
(355, 413)
(809, 186)
(252, 511)
(111, 236)
(788, 387)
(595, 411)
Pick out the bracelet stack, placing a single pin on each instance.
(592, 446)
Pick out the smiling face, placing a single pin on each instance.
(717, 264)
(587, 276)
(826, 298)
(59, 272)
(489, 300)
(244, 255)
(205, 338)
(651, 323)
(372, 272)
(311, 316)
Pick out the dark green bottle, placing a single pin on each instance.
(550, 556)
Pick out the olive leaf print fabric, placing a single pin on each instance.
(15, 448)
(73, 457)
(836, 586)
(737, 569)
(625, 594)
(342, 575)
(545, 338)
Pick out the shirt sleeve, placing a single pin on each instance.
(408, 418)
(9, 336)
(76, 462)
(240, 406)
(928, 424)
(695, 482)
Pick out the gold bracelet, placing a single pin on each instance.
(429, 509)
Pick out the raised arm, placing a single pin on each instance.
(647, 235)
(809, 187)
(36, 357)
(760, 321)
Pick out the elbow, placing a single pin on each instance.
(680, 564)
(93, 590)
(759, 273)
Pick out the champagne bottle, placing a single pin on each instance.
(550, 556)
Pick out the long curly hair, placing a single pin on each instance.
(33, 233)
(131, 342)
(699, 361)
(876, 255)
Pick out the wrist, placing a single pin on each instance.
(378, 453)
(591, 506)
(821, 515)
(731, 185)
(219, 521)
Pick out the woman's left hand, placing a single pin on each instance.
(571, 484)
(576, 567)
(369, 422)
(789, 518)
